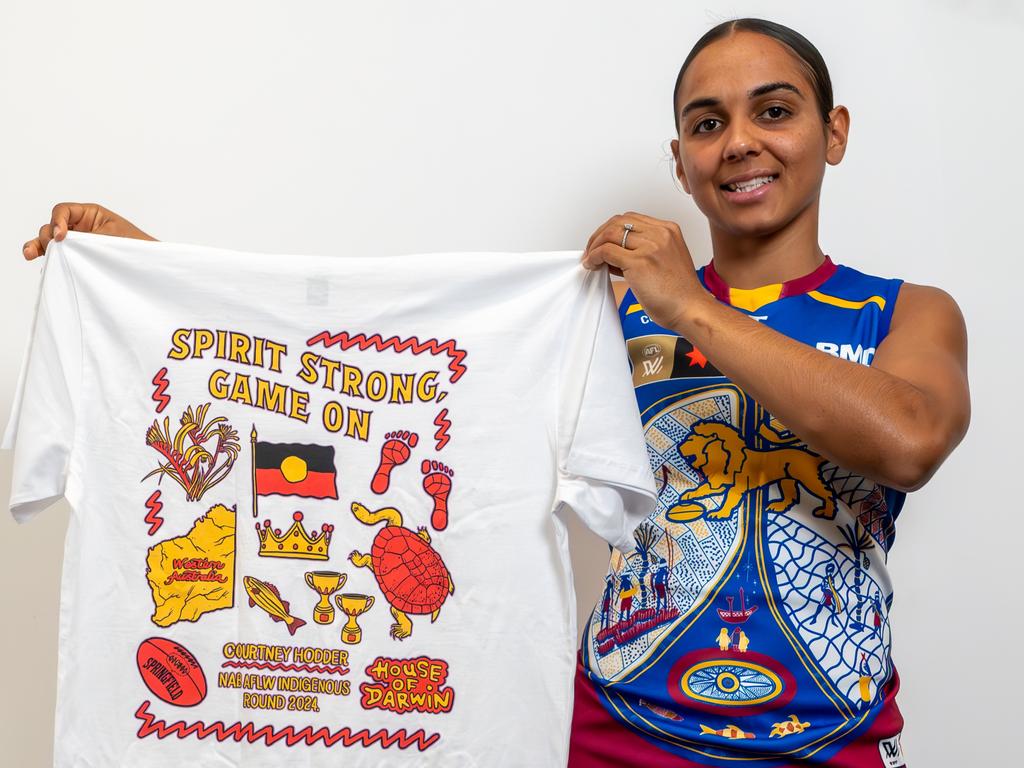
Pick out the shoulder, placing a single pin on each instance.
(926, 320)
(922, 304)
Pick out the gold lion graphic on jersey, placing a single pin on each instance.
(718, 452)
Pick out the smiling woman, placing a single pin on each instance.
(789, 403)
(788, 120)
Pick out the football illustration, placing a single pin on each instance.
(171, 672)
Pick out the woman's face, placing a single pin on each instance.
(752, 143)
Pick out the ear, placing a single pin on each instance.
(837, 133)
(680, 173)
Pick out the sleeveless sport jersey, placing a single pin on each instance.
(749, 624)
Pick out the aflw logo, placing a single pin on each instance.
(891, 752)
(856, 354)
(653, 367)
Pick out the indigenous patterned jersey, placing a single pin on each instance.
(749, 624)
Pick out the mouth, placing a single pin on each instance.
(752, 183)
(750, 188)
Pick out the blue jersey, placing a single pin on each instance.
(772, 643)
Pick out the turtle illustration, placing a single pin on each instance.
(409, 571)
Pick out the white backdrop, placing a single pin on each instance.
(442, 125)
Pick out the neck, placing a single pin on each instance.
(751, 261)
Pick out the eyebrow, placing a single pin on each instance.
(761, 90)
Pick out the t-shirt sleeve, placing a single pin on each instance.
(41, 428)
(604, 473)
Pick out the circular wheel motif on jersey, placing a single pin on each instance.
(739, 683)
(730, 683)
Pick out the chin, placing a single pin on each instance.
(751, 226)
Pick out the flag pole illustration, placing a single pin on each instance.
(254, 496)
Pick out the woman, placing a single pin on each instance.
(789, 404)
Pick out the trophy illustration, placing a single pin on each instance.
(325, 584)
(353, 605)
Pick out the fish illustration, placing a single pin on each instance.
(787, 727)
(661, 711)
(265, 595)
(729, 732)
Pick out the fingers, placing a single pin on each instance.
(634, 216)
(615, 256)
(63, 217)
(615, 232)
(35, 248)
(599, 232)
(32, 249)
(613, 229)
(67, 216)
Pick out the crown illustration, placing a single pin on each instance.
(295, 543)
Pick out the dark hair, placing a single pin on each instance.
(801, 47)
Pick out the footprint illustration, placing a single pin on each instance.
(437, 482)
(395, 451)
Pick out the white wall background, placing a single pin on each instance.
(434, 124)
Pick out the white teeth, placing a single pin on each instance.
(747, 186)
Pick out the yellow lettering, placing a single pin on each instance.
(376, 386)
(298, 406)
(217, 386)
(401, 388)
(353, 377)
(277, 351)
(179, 344)
(270, 395)
(333, 416)
(202, 341)
(330, 368)
(426, 388)
(308, 361)
(240, 390)
(239, 348)
(358, 424)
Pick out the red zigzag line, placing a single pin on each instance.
(249, 732)
(443, 424)
(161, 385)
(154, 505)
(413, 344)
(274, 666)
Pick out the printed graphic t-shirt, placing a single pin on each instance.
(317, 501)
(748, 622)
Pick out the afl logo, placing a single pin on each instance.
(734, 682)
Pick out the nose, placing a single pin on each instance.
(741, 140)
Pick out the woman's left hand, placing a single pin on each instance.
(655, 262)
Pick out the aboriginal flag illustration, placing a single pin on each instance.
(295, 469)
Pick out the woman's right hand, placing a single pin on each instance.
(81, 217)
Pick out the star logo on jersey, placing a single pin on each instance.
(697, 358)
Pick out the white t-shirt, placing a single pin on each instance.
(314, 499)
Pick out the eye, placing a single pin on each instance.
(776, 112)
(703, 127)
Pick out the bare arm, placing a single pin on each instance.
(894, 422)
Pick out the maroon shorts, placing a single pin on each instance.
(600, 741)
